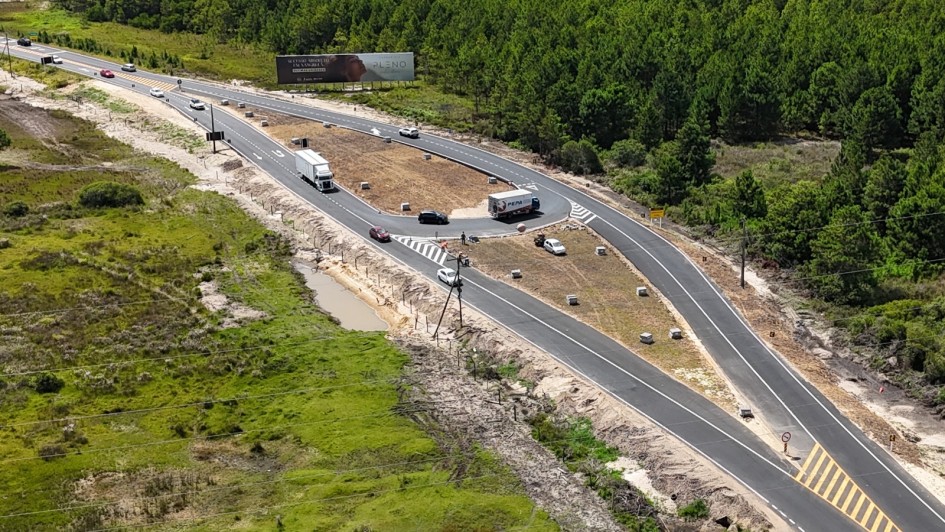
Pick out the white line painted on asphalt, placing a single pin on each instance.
(764, 346)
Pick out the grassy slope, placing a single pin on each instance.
(320, 401)
(207, 58)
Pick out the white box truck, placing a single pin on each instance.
(314, 169)
(512, 202)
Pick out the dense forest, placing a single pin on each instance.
(639, 87)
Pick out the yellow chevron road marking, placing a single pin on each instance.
(822, 475)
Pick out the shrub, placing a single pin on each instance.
(51, 452)
(579, 158)
(697, 509)
(628, 153)
(16, 209)
(48, 383)
(109, 194)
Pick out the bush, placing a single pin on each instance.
(697, 509)
(51, 452)
(579, 158)
(628, 153)
(48, 383)
(16, 209)
(109, 194)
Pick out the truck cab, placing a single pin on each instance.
(314, 168)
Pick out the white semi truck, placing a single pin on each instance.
(314, 169)
(513, 202)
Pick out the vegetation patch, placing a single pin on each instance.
(573, 442)
(124, 402)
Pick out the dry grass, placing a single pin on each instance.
(606, 290)
(777, 162)
(396, 173)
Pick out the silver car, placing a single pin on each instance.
(555, 247)
(449, 276)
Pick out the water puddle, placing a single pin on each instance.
(338, 301)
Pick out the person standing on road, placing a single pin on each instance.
(462, 238)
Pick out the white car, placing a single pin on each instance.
(448, 276)
(129, 67)
(411, 132)
(56, 60)
(197, 104)
(555, 247)
(157, 93)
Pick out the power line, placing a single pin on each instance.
(217, 436)
(161, 358)
(371, 493)
(197, 403)
(293, 478)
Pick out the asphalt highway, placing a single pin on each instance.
(840, 480)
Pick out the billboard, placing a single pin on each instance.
(344, 68)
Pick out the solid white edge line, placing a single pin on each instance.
(770, 353)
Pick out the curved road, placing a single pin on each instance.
(842, 481)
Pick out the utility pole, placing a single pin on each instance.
(6, 46)
(213, 136)
(459, 288)
(744, 246)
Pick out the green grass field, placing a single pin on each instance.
(124, 402)
(201, 55)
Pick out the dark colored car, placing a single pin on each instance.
(379, 233)
(24, 41)
(433, 217)
(106, 73)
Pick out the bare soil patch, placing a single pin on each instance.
(396, 173)
(607, 300)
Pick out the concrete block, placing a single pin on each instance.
(675, 334)
(365, 185)
(600, 250)
(571, 299)
(516, 274)
(641, 291)
(405, 206)
(646, 338)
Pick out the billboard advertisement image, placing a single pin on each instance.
(344, 68)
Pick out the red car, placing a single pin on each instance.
(105, 73)
(379, 233)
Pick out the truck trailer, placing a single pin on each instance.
(513, 202)
(314, 169)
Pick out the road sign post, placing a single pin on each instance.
(658, 214)
(892, 438)
(786, 437)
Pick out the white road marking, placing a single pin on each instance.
(278, 153)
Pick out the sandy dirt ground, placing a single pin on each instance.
(410, 304)
(395, 173)
(605, 286)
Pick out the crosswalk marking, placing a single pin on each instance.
(822, 475)
(147, 82)
(580, 213)
(425, 247)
